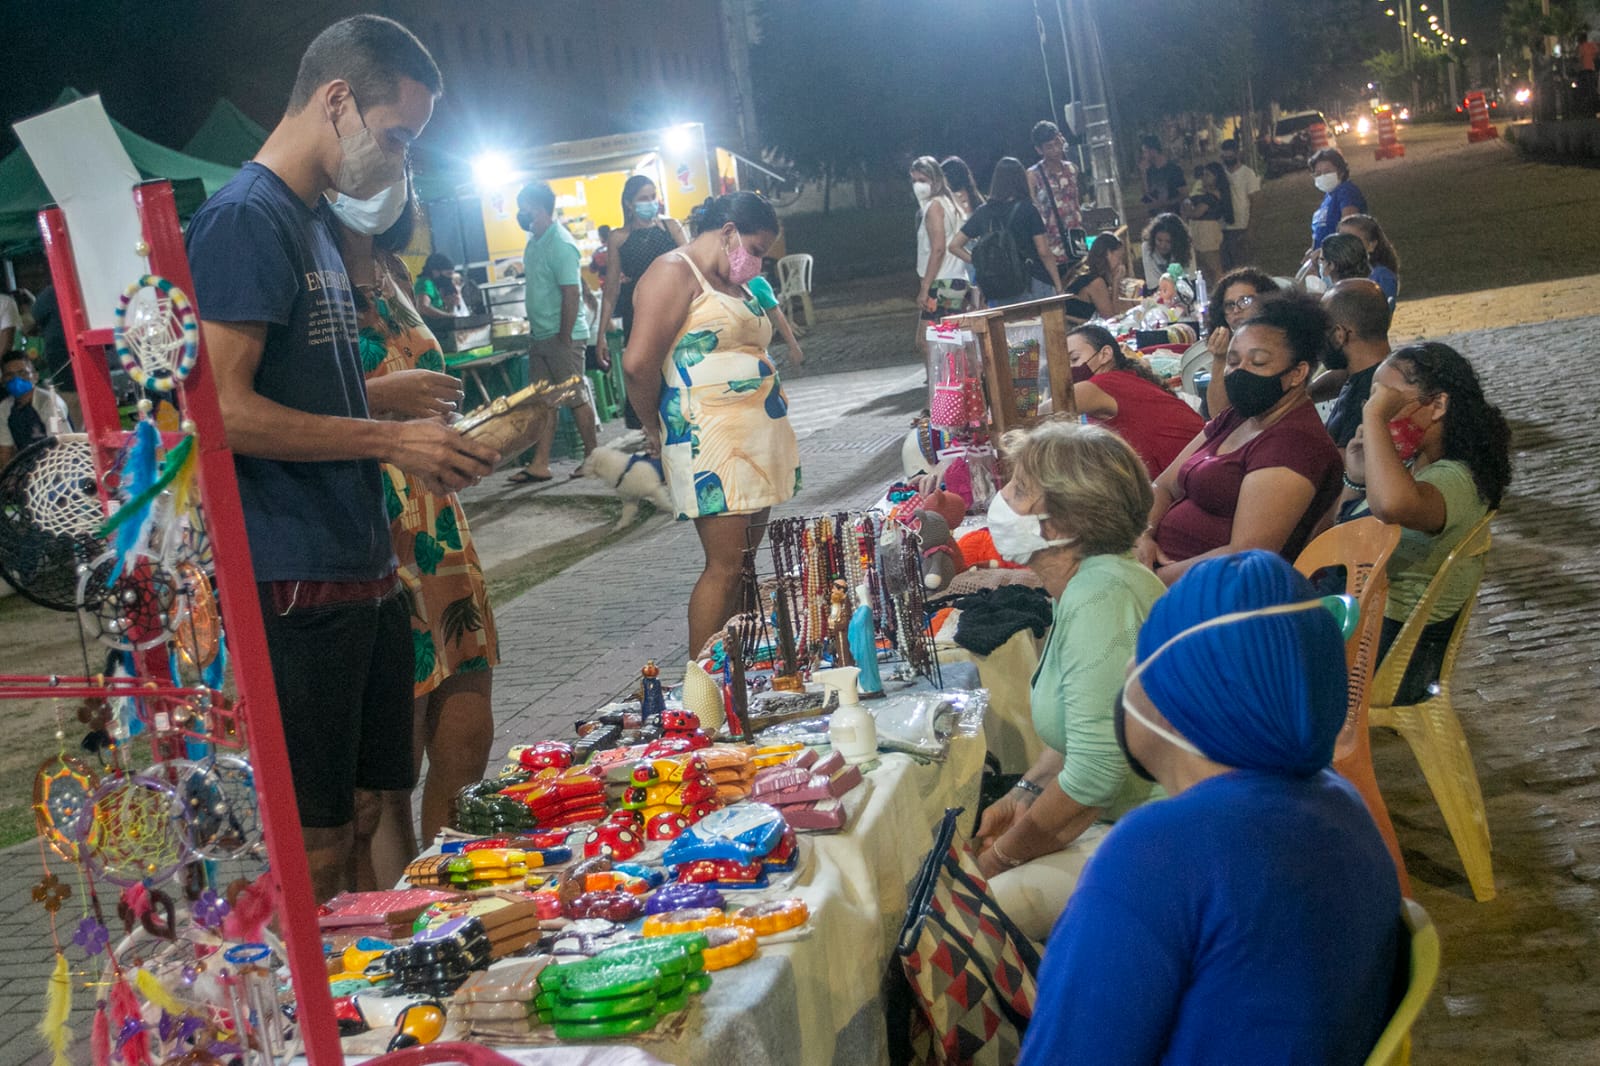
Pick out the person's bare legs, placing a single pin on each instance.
(544, 439)
(328, 853)
(588, 426)
(716, 595)
(456, 729)
(385, 839)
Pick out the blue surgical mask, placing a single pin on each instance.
(19, 387)
(647, 210)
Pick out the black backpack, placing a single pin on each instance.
(1002, 271)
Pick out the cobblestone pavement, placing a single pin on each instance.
(1519, 977)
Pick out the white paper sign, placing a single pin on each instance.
(89, 174)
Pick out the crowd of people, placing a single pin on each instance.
(1236, 689)
(1255, 906)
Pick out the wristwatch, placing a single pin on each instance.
(1028, 786)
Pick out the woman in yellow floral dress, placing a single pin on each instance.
(452, 626)
(698, 357)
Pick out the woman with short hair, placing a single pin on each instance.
(1341, 197)
(1343, 257)
(1074, 507)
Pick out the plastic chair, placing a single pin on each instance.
(794, 284)
(1394, 1043)
(1431, 727)
(606, 404)
(1363, 548)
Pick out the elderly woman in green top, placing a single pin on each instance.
(1076, 503)
(1435, 456)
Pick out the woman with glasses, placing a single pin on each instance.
(1233, 302)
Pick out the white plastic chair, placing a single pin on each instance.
(794, 284)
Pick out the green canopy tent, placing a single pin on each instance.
(23, 192)
(228, 136)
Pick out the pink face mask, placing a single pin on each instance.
(742, 266)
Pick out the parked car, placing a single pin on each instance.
(1291, 141)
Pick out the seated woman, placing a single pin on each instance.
(1435, 458)
(1254, 915)
(1074, 506)
(1380, 253)
(1264, 472)
(1233, 302)
(1165, 241)
(1096, 285)
(1125, 395)
(1344, 257)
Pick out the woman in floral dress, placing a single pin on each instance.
(452, 625)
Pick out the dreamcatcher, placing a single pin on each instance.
(156, 334)
(220, 806)
(135, 830)
(50, 516)
(63, 792)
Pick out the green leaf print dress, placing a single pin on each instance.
(726, 443)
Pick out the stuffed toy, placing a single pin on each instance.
(977, 549)
(952, 507)
(941, 558)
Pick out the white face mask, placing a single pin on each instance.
(1326, 182)
(921, 190)
(1018, 537)
(373, 216)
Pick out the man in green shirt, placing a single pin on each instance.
(556, 331)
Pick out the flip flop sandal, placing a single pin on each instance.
(522, 477)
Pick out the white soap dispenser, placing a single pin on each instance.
(851, 730)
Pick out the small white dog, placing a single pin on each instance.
(633, 475)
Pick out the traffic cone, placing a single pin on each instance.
(1478, 111)
(1389, 146)
(1319, 136)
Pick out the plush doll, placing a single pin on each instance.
(948, 504)
(941, 558)
(978, 550)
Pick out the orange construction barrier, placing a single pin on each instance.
(1389, 146)
(1478, 111)
(1319, 136)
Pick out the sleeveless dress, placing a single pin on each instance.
(726, 443)
(643, 247)
(452, 626)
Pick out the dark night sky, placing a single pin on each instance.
(160, 68)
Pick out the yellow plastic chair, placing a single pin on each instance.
(1431, 727)
(1394, 1043)
(1363, 548)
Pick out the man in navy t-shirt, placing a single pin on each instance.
(280, 330)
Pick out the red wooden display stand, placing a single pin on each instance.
(1389, 146)
(235, 577)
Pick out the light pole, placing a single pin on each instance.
(1455, 91)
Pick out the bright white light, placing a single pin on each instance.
(1363, 126)
(1523, 95)
(678, 140)
(490, 170)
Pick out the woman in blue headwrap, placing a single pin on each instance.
(1254, 915)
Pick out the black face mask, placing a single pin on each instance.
(1119, 721)
(1252, 394)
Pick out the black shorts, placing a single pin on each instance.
(344, 675)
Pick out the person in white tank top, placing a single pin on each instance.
(942, 278)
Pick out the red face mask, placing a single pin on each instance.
(1407, 436)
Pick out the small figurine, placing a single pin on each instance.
(654, 703)
(864, 645)
(839, 625)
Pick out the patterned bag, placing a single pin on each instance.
(971, 971)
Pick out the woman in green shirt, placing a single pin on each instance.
(1076, 503)
(436, 288)
(1436, 457)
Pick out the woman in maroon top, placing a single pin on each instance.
(1126, 396)
(1265, 471)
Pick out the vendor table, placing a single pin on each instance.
(1007, 673)
(817, 1000)
(472, 371)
